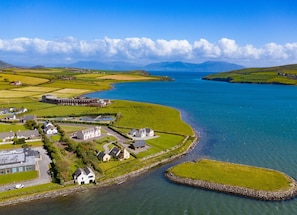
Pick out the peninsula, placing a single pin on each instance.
(242, 180)
(106, 140)
(286, 75)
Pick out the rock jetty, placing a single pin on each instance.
(240, 191)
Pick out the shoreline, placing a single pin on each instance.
(109, 182)
(279, 195)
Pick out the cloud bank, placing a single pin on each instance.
(144, 50)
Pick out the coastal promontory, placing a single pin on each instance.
(237, 179)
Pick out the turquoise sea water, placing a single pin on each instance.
(242, 123)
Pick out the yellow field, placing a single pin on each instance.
(72, 91)
(36, 89)
(23, 79)
(122, 77)
(37, 70)
(89, 75)
(15, 94)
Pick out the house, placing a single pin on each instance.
(138, 144)
(28, 118)
(28, 134)
(16, 83)
(6, 136)
(119, 154)
(114, 152)
(102, 156)
(142, 132)
(84, 176)
(89, 133)
(49, 128)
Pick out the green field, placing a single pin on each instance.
(271, 75)
(233, 174)
(18, 177)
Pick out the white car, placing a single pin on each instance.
(18, 186)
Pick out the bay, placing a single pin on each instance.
(242, 123)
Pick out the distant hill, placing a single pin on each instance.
(286, 74)
(4, 65)
(209, 66)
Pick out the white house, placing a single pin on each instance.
(142, 132)
(49, 128)
(84, 176)
(28, 134)
(89, 133)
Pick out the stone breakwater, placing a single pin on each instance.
(240, 191)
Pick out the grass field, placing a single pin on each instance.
(233, 174)
(23, 79)
(271, 75)
(6, 127)
(16, 94)
(17, 177)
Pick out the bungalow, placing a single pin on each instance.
(29, 118)
(138, 144)
(89, 133)
(6, 136)
(49, 128)
(102, 156)
(84, 176)
(27, 134)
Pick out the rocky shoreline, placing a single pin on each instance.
(239, 191)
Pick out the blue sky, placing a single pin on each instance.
(251, 33)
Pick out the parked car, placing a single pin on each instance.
(18, 186)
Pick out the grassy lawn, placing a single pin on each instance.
(12, 146)
(18, 177)
(233, 174)
(6, 127)
(269, 75)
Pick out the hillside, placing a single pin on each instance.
(209, 66)
(4, 65)
(286, 74)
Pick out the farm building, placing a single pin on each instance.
(17, 160)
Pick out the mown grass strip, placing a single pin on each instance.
(233, 174)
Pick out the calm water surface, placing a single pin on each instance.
(242, 123)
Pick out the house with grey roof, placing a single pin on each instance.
(49, 128)
(102, 156)
(6, 136)
(120, 154)
(28, 134)
(142, 132)
(138, 144)
(89, 133)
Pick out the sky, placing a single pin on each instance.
(51, 32)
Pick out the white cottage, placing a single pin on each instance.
(102, 156)
(49, 128)
(142, 132)
(84, 176)
(89, 133)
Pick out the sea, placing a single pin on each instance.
(252, 124)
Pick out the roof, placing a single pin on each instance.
(93, 129)
(100, 155)
(29, 117)
(114, 151)
(27, 133)
(85, 171)
(6, 134)
(138, 144)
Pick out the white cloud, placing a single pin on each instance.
(146, 50)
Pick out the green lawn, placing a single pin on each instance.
(233, 174)
(18, 177)
(6, 127)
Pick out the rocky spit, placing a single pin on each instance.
(240, 191)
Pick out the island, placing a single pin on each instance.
(57, 140)
(286, 75)
(237, 179)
